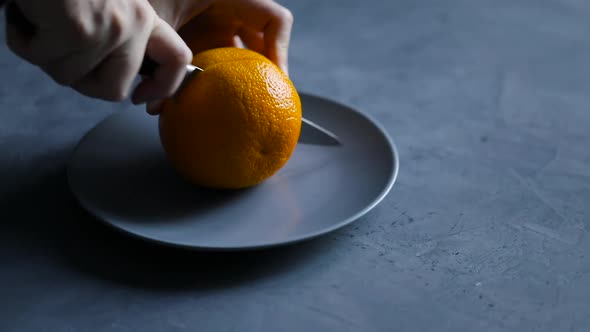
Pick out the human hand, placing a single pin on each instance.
(97, 46)
(263, 26)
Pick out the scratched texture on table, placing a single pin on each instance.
(485, 230)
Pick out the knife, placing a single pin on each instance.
(311, 132)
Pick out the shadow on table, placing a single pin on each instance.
(111, 255)
(51, 223)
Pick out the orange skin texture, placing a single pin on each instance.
(233, 125)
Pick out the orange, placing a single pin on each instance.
(233, 125)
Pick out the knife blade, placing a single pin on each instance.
(311, 132)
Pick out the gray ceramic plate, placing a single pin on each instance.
(119, 174)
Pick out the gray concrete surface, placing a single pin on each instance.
(485, 230)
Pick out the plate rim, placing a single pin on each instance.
(291, 240)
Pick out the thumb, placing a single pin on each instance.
(277, 35)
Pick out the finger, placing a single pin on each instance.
(154, 107)
(277, 35)
(252, 39)
(110, 80)
(73, 67)
(276, 22)
(172, 54)
(113, 77)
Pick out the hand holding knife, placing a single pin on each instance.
(311, 132)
